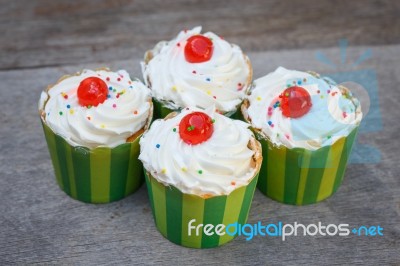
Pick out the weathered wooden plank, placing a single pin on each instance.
(55, 33)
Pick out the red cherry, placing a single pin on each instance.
(198, 49)
(196, 128)
(92, 91)
(295, 102)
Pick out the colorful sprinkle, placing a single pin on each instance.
(68, 106)
(258, 98)
(135, 112)
(178, 44)
(174, 129)
(110, 88)
(61, 113)
(299, 82)
(108, 79)
(89, 118)
(328, 91)
(114, 105)
(233, 183)
(183, 169)
(102, 126)
(200, 172)
(208, 79)
(194, 72)
(108, 96)
(174, 88)
(118, 79)
(329, 137)
(318, 91)
(287, 136)
(269, 123)
(213, 121)
(163, 170)
(158, 146)
(215, 97)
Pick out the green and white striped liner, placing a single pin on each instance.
(99, 175)
(299, 176)
(172, 211)
(160, 111)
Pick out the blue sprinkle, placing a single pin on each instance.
(269, 122)
(208, 79)
(158, 146)
(299, 82)
(110, 88)
(131, 87)
(108, 96)
(68, 106)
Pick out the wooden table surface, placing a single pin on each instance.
(42, 40)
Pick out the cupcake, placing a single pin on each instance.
(92, 123)
(196, 70)
(307, 125)
(201, 168)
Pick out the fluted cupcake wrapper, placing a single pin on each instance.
(99, 175)
(299, 176)
(173, 210)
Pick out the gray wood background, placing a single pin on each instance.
(42, 40)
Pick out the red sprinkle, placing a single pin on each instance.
(108, 79)
(233, 183)
(194, 72)
(118, 79)
(135, 112)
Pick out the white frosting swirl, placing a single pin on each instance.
(222, 81)
(214, 167)
(122, 114)
(334, 112)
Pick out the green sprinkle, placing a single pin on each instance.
(174, 129)
(329, 137)
(200, 172)
(61, 113)
(89, 106)
(213, 121)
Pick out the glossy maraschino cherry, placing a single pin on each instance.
(198, 49)
(92, 91)
(196, 128)
(295, 102)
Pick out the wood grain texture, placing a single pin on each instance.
(55, 33)
(43, 40)
(40, 224)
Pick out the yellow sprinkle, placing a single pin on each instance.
(322, 96)
(123, 91)
(209, 92)
(163, 170)
(174, 88)
(183, 169)
(102, 126)
(71, 111)
(258, 98)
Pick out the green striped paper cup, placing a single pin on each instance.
(99, 175)
(173, 210)
(160, 111)
(298, 176)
